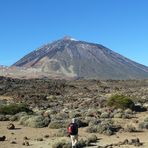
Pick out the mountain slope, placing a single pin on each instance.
(71, 58)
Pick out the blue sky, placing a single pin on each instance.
(121, 25)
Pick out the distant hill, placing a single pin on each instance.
(68, 57)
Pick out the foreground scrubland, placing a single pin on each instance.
(109, 113)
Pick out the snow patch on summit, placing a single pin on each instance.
(69, 38)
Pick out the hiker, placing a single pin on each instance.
(73, 132)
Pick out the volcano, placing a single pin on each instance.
(68, 57)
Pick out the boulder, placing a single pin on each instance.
(2, 138)
(13, 142)
(11, 126)
(26, 138)
(25, 143)
(39, 139)
(136, 142)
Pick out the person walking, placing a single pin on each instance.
(73, 132)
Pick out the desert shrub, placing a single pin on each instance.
(92, 139)
(144, 124)
(94, 122)
(74, 114)
(3, 118)
(12, 109)
(130, 128)
(120, 101)
(38, 121)
(128, 111)
(105, 115)
(127, 116)
(91, 129)
(13, 118)
(67, 145)
(57, 124)
(105, 127)
(17, 116)
(51, 98)
(81, 122)
(61, 116)
(81, 143)
(21, 114)
(146, 119)
(23, 119)
(118, 115)
(62, 132)
(34, 121)
(50, 113)
(93, 112)
(59, 144)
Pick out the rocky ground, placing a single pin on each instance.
(45, 137)
(52, 104)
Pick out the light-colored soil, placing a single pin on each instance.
(33, 133)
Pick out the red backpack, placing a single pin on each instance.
(70, 128)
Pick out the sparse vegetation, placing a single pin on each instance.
(55, 103)
(12, 109)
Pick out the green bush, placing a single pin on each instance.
(120, 101)
(12, 109)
